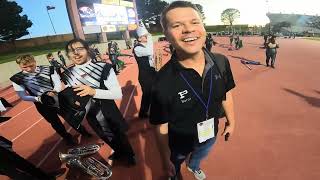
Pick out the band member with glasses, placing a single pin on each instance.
(99, 81)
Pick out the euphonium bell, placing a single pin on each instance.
(90, 165)
(85, 150)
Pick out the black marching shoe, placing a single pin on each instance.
(5, 103)
(70, 141)
(115, 156)
(3, 119)
(57, 173)
(131, 160)
(143, 115)
(87, 134)
(84, 132)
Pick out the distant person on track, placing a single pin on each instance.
(143, 53)
(53, 62)
(17, 168)
(209, 41)
(62, 59)
(99, 81)
(231, 38)
(189, 93)
(32, 82)
(238, 42)
(271, 51)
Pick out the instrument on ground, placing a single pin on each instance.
(89, 165)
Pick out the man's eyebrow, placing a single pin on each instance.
(180, 22)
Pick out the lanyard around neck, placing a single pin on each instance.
(206, 106)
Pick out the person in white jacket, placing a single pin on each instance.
(143, 52)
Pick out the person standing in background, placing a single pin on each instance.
(143, 53)
(271, 51)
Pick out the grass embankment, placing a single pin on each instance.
(44, 49)
(313, 38)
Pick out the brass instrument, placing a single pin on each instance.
(85, 150)
(89, 165)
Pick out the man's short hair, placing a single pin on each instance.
(174, 5)
(49, 55)
(25, 59)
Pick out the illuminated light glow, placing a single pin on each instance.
(132, 27)
(111, 2)
(108, 28)
(131, 13)
(126, 4)
(110, 14)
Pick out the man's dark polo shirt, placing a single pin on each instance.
(183, 110)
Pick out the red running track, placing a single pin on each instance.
(277, 112)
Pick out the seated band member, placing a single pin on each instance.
(98, 80)
(32, 82)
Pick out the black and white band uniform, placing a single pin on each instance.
(30, 86)
(143, 53)
(103, 115)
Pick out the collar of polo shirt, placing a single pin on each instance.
(208, 59)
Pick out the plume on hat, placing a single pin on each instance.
(142, 30)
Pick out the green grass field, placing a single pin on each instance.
(11, 56)
(313, 38)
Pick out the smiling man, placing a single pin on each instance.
(190, 93)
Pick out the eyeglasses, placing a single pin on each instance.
(76, 50)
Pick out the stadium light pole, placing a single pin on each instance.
(268, 9)
(50, 8)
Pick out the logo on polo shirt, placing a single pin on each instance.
(182, 93)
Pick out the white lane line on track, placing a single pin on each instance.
(26, 130)
(16, 116)
(12, 97)
(2, 95)
(51, 150)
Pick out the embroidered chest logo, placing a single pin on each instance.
(182, 95)
(217, 76)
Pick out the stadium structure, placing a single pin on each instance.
(300, 24)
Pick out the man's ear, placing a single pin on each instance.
(165, 34)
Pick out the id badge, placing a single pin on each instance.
(205, 130)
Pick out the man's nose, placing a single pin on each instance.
(187, 28)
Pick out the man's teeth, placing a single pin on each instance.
(190, 39)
